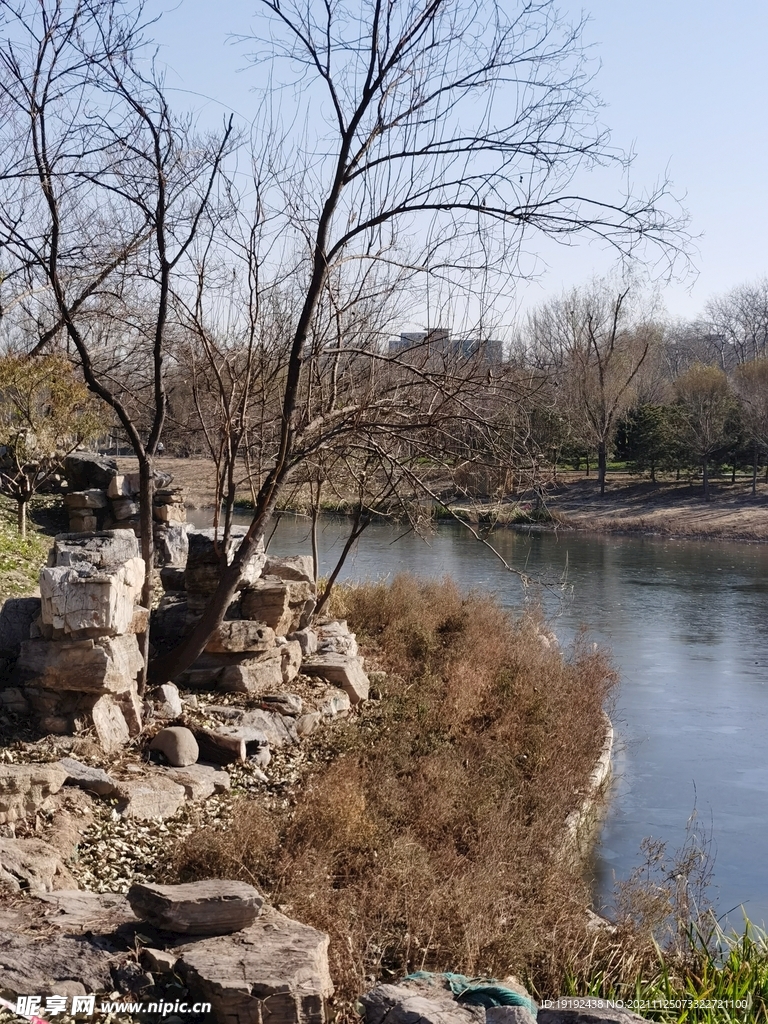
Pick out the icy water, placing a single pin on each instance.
(687, 623)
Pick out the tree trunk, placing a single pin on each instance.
(22, 518)
(146, 497)
(754, 471)
(587, 459)
(733, 472)
(705, 468)
(653, 472)
(601, 466)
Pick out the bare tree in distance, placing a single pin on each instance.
(438, 136)
(103, 191)
(750, 381)
(739, 320)
(707, 402)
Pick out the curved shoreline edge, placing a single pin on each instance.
(581, 823)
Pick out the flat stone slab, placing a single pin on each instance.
(344, 671)
(211, 907)
(105, 665)
(55, 965)
(276, 970)
(199, 780)
(152, 797)
(103, 550)
(94, 780)
(74, 912)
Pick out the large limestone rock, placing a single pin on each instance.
(154, 796)
(26, 788)
(103, 665)
(85, 471)
(253, 675)
(276, 970)
(110, 724)
(58, 965)
(343, 671)
(291, 655)
(85, 601)
(237, 636)
(16, 617)
(417, 1004)
(295, 567)
(205, 558)
(210, 907)
(92, 498)
(105, 550)
(285, 605)
(336, 638)
(32, 865)
(171, 545)
(93, 780)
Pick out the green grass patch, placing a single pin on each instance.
(20, 560)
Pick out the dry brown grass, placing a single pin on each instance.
(433, 838)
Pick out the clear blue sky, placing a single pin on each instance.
(685, 83)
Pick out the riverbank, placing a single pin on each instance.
(632, 506)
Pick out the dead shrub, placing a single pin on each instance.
(434, 840)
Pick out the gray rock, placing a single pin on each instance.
(178, 745)
(84, 601)
(85, 470)
(110, 724)
(173, 579)
(94, 780)
(239, 636)
(26, 788)
(166, 701)
(158, 961)
(171, 545)
(205, 554)
(253, 675)
(152, 797)
(82, 521)
(334, 703)
(171, 515)
(307, 639)
(417, 1003)
(295, 567)
(210, 907)
(58, 965)
(16, 617)
(105, 550)
(336, 638)
(93, 498)
(200, 780)
(12, 700)
(277, 969)
(289, 704)
(290, 659)
(577, 1011)
(32, 865)
(343, 671)
(124, 485)
(279, 603)
(103, 665)
(278, 730)
(76, 912)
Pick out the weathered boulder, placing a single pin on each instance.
(343, 671)
(211, 907)
(289, 704)
(124, 508)
(275, 969)
(294, 567)
(282, 604)
(92, 498)
(16, 617)
(307, 639)
(82, 521)
(173, 580)
(59, 965)
(177, 745)
(26, 788)
(85, 470)
(574, 1011)
(103, 665)
(105, 550)
(306, 724)
(171, 545)
(124, 485)
(334, 703)
(93, 780)
(154, 796)
(199, 780)
(237, 636)
(33, 865)
(413, 1003)
(84, 601)
(110, 724)
(258, 726)
(290, 659)
(76, 911)
(336, 638)
(204, 559)
(171, 514)
(166, 702)
(253, 675)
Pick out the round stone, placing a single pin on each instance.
(178, 746)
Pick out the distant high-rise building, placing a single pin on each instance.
(438, 341)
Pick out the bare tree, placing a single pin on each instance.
(104, 190)
(707, 402)
(739, 320)
(750, 382)
(438, 135)
(598, 343)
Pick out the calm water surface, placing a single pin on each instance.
(686, 622)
